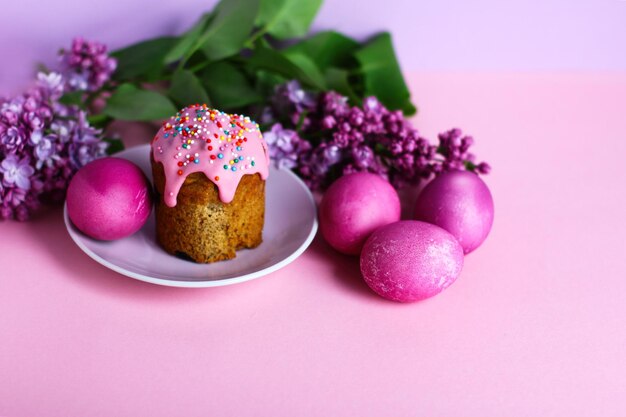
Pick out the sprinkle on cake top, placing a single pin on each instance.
(225, 147)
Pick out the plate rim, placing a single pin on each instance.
(200, 284)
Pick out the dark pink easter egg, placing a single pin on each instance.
(353, 207)
(410, 260)
(459, 202)
(109, 199)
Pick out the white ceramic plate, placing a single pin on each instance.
(290, 225)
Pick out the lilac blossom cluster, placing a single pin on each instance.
(87, 65)
(42, 141)
(322, 137)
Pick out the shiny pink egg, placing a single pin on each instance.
(109, 199)
(353, 207)
(459, 202)
(410, 260)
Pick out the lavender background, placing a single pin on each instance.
(429, 35)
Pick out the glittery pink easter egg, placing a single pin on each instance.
(109, 198)
(353, 207)
(410, 261)
(460, 202)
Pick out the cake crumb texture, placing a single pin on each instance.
(201, 227)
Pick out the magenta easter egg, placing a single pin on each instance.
(459, 202)
(109, 199)
(410, 261)
(353, 207)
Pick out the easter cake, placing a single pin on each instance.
(209, 170)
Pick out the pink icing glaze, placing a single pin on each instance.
(199, 139)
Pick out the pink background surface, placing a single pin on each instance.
(535, 326)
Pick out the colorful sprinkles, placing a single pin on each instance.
(191, 125)
(201, 139)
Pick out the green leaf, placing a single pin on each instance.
(287, 18)
(229, 29)
(266, 82)
(310, 73)
(143, 60)
(327, 49)
(187, 89)
(132, 103)
(293, 66)
(115, 145)
(99, 121)
(73, 98)
(338, 80)
(228, 86)
(183, 46)
(382, 75)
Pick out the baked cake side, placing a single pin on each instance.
(202, 228)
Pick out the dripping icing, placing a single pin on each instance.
(224, 147)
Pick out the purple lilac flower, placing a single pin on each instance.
(13, 138)
(315, 165)
(88, 66)
(42, 141)
(43, 147)
(292, 96)
(16, 171)
(50, 85)
(346, 139)
(454, 146)
(363, 157)
(285, 146)
(292, 103)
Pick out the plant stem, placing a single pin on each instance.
(256, 35)
(199, 66)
